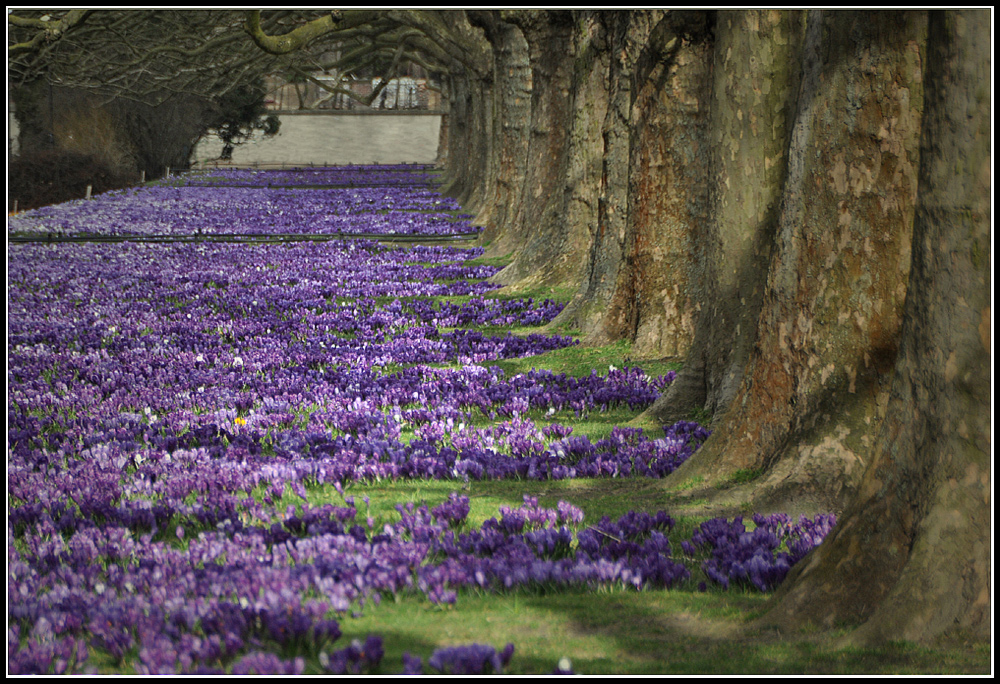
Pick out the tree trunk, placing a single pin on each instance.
(453, 180)
(654, 304)
(469, 142)
(535, 235)
(511, 114)
(754, 79)
(478, 170)
(626, 35)
(586, 150)
(444, 136)
(911, 556)
(34, 114)
(641, 272)
(804, 415)
(441, 162)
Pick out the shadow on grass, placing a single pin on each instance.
(683, 632)
(618, 631)
(628, 632)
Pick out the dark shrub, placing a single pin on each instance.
(53, 176)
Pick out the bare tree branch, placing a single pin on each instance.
(292, 41)
(45, 29)
(147, 55)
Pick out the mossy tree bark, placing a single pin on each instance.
(911, 556)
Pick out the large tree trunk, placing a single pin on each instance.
(442, 159)
(468, 124)
(754, 79)
(511, 114)
(627, 33)
(804, 415)
(642, 267)
(470, 140)
(461, 128)
(655, 301)
(911, 556)
(535, 235)
(586, 151)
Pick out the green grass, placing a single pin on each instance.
(627, 632)
(611, 631)
(580, 361)
(538, 293)
(742, 476)
(498, 261)
(595, 498)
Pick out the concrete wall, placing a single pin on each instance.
(327, 138)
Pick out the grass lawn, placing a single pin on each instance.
(616, 631)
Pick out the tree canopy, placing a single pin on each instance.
(149, 54)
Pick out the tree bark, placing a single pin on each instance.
(469, 124)
(911, 556)
(805, 412)
(469, 139)
(754, 79)
(533, 236)
(441, 162)
(642, 265)
(626, 34)
(478, 170)
(654, 304)
(586, 150)
(511, 115)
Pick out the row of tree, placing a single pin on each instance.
(796, 203)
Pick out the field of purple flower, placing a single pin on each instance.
(174, 409)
